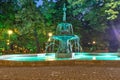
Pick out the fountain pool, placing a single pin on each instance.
(51, 57)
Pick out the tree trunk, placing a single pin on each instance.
(37, 41)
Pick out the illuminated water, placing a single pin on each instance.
(51, 57)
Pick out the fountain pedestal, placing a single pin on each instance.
(63, 55)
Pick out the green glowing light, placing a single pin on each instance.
(51, 57)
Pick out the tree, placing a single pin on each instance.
(96, 15)
(7, 16)
(30, 24)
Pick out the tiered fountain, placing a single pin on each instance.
(66, 39)
(68, 48)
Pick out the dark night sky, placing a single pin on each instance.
(40, 2)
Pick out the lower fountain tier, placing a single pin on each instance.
(65, 46)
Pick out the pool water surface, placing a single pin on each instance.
(51, 57)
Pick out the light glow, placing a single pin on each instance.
(10, 32)
(50, 34)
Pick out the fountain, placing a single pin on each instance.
(66, 39)
(64, 47)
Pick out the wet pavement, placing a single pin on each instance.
(77, 72)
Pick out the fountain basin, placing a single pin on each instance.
(51, 57)
(38, 60)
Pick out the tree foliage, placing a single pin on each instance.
(31, 23)
(95, 13)
(97, 16)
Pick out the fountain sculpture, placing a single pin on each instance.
(67, 41)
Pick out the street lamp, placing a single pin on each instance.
(49, 34)
(94, 42)
(10, 32)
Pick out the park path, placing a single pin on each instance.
(60, 73)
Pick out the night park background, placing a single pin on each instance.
(25, 24)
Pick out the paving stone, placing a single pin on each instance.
(60, 73)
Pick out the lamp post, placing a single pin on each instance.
(9, 33)
(49, 34)
(94, 42)
(49, 39)
(94, 45)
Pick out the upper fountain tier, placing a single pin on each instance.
(64, 28)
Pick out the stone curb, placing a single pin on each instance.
(5, 63)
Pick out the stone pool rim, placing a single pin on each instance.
(7, 63)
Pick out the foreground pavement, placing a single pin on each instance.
(77, 72)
